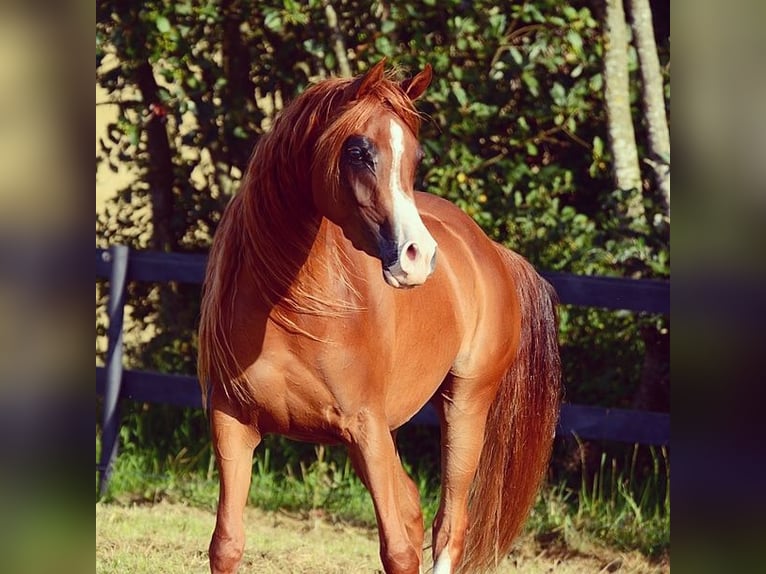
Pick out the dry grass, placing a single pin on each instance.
(173, 538)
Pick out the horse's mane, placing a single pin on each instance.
(268, 228)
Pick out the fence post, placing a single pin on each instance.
(110, 429)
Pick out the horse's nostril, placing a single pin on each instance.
(412, 251)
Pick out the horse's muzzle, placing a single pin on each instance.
(413, 266)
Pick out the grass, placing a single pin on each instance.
(172, 538)
(323, 487)
(615, 507)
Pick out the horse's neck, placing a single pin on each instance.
(324, 275)
(324, 261)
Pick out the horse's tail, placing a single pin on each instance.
(520, 426)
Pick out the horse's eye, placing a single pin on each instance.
(359, 152)
(356, 153)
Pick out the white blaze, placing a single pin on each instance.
(406, 217)
(408, 228)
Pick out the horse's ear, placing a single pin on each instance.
(415, 86)
(365, 83)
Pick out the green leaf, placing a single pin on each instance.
(163, 24)
(516, 55)
(497, 22)
(460, 94)
(329, 60)
(273, 21)
(532, 84)
(558, 94)
(575, 40)
(132, 133)
(383, 45)
(598, 147)
(596, 83)
(210, 11)
(569, 12)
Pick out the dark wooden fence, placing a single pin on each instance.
(119, 265)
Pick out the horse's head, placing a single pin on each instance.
(364, 174)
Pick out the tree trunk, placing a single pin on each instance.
(654, 389)
(338, 42)
(159, 175)
(654, 383)
(653, 97)
(239, 90)
(622, 138)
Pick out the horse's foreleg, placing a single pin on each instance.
(373, 454)
(462, 429)
(412, 513)
(233, 443)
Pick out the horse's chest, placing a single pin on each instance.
(313, 388)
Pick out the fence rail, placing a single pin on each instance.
(119, 265)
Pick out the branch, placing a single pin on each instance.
(121, 103)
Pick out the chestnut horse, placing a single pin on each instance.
(328, 316)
